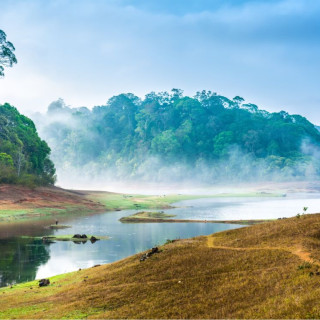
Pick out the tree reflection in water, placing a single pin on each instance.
(20, 259)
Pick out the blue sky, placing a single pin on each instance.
(86, 51)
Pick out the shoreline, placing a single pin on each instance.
(155, 220)
(22, 205)
(258, 261)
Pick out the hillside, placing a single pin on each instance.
(24, 157)
(171, 137)
(269, 270)
(19, 202)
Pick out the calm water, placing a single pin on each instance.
(28, 259)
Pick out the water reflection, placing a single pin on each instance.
(125, 240)
(26, 259)
(20, 259)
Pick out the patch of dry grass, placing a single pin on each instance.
(254, 272)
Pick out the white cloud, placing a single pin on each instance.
(86, 51)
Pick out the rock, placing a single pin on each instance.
(155, 250)
(143, 257)
(149, 254)
(78, 236)
(93, 239)
(84, 236)
(44, 282)
(97, 265)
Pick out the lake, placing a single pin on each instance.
(28, 259)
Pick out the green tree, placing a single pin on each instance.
(24, 157)
(7, 56)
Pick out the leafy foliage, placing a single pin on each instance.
(7, 56)
(208, 133)
(23, 155)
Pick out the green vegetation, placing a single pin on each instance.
(275, 266)
(7, 56)
(168, 136)
(24, 157)
(145, 215)
(118, 201)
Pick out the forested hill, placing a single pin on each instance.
(23, 155)
(168, 136)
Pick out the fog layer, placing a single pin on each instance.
(169, 138)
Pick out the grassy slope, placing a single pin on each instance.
(18, 202)
(254, 272)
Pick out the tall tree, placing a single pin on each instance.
(7, 56)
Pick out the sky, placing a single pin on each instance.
(85, 51)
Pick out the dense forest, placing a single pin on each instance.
(168, 136)
(24, 157)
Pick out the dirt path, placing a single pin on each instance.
(298, 251)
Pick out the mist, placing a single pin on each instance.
(168, 141)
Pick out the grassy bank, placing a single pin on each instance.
(264, 271)
(19, 203)
(118, 201)
(12, 215)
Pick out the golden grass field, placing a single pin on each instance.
(262, 271)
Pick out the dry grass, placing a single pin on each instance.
(19, 202)
(255, 272)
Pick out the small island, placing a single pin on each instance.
(142, 216)
(68, 237)
(160, 216)
(58, 226)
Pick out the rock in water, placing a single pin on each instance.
(93, 239)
